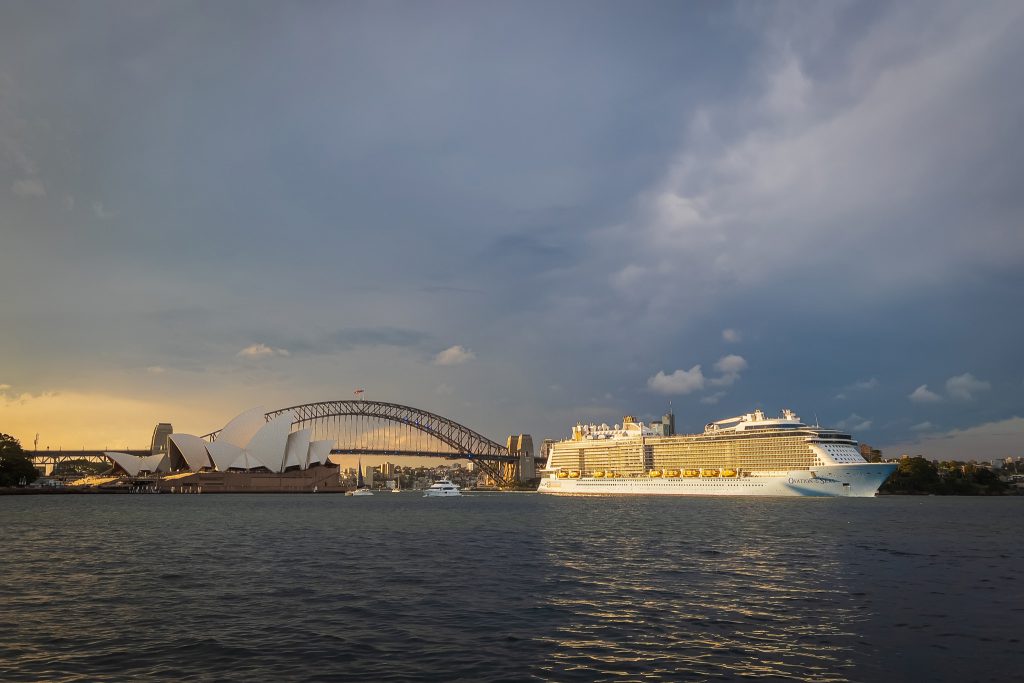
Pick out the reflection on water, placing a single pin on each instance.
(507, 587)
(680, 590)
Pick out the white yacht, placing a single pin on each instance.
(361, 488)
(443, 487)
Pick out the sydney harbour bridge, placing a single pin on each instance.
(376, 428)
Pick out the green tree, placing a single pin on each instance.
(14, 464)
(81, 466)
(914, 475)
(989, 481)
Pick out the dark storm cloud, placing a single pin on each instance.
(525, 250)
(580, 195)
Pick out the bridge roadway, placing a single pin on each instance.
(378, 452)
(48, 460)
(84, 454)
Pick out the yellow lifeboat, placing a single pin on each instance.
(728, 472)
(654, 473)
(672, 473)
(691, 473)
(575, 474)
(610, 474)
(709, 473)
(599, 474)
(562, 474)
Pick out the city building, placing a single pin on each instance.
(666, 426)
(870, 454)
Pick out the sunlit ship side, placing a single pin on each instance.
(747, 455)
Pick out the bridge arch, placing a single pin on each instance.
(494, 458)
(462, 439)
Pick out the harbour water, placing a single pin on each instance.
(503, 587)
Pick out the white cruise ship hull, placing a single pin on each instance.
(859, 480)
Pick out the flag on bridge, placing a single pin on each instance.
(358, 393)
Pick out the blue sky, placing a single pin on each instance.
(516, 215)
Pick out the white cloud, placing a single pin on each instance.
(443, 390)
(101, 212)
(156, 370)
(4, 387)
(924, 395)
(824, 157)
(712, 399)
(964, 387)
(730, 366)
(854, 423)
(731, 336)
(679, 382)
(454, 355)
(689, 381)
(923, 427)
(29, 187)
(859, 385)
(261, 351)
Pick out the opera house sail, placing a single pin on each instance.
(250, 454)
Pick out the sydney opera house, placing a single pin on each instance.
(250, 454)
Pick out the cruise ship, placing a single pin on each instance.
(747, 455)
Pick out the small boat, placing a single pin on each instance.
(599, 474)
(654, 473)
(671, 473)
(728, 472)
(709, 473)
(442, 488)
(575, 474)
(361, 488)
(562, 474)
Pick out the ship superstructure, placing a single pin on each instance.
(750, 454)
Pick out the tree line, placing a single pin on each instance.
(948, 478)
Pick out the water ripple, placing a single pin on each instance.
(506, 588)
